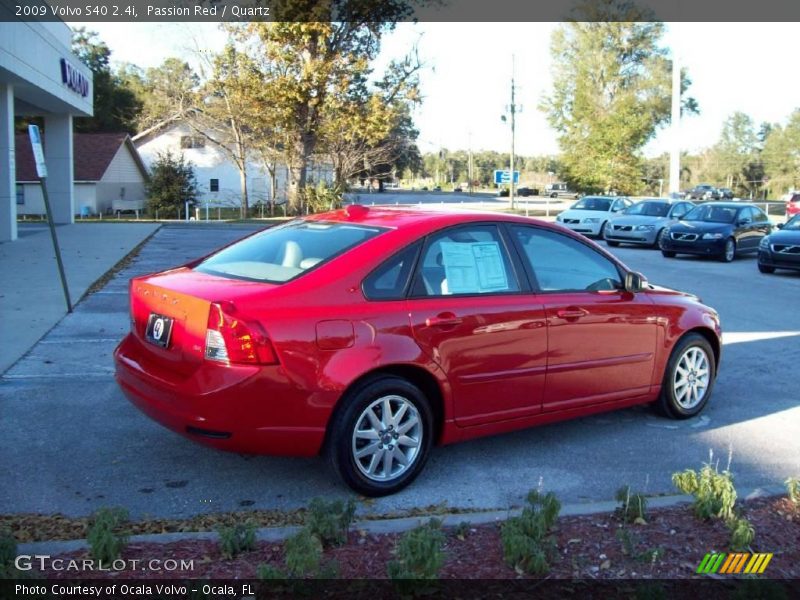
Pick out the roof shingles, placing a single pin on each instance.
(92, 153)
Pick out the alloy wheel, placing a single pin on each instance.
(691, 378)
(387, 438)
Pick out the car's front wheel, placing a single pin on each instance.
(660, 238)
(729, 252)
(765, 268)
(668, 254)
(688, 378)
(380, 439)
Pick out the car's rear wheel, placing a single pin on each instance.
(765, 268)
(729, 253)
(689, 377)
(380, 439)
(612, 244)
(668, 254)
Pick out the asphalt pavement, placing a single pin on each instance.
(71, 443)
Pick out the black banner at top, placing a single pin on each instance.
(401, 10)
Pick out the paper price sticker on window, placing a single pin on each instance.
(474, 268)
(38, 151)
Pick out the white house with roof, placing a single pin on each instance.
(218, 178)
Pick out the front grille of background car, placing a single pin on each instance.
(684, 237)
(785, 249)
(573, 221)
(623, 227)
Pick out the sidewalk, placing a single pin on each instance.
(31, 299)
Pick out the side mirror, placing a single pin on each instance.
(634, 282)
(743, 222)
(780, 225)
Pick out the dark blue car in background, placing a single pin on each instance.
(718, 229)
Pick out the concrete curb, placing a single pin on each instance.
(382, 526)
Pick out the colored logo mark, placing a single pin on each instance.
(734, 563)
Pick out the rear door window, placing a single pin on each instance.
(283, 253)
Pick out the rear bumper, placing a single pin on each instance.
(246, 409)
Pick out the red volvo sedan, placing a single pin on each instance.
(371, 334)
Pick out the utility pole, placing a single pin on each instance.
(513, 112)
(675, 150)
(469, 161)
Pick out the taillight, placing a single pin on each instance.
(230, 339)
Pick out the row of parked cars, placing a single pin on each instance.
(705, 191)
(716, 229)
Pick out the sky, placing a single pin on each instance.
(466, 82)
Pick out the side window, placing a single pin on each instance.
(758, 215)
(560, 263)
(389, 281)
(465, 260)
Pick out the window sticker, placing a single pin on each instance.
(475, 267)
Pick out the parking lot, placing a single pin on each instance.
(71, 443)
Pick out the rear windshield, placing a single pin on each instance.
(593, 203)
(285, 252)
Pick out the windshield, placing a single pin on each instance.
(793, 224)
(648, 209)
(711, 214)
(593, 203)
(283, 253)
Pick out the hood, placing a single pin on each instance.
(700, 227)
(637, 220)
(785, 236)
(665, 291)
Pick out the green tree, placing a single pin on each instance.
(611, 92)
(735, 156)
(317, 78)
(172, 183)
(116, 106)
(781, 155)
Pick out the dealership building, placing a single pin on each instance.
(40, 77)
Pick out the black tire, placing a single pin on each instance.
(668, 254)
(765, 268)
(668, 403)
(728, 256)
(554, 195)
(340, 442)
(612, 244)
(659, 242)
(602, 234)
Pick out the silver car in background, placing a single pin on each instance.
(645, 222)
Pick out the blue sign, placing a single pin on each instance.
(74, 79)
(504, 177)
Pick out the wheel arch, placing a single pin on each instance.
(419, 376)
(713, 341)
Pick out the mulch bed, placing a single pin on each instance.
(670, 545)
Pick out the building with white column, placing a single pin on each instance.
(40, 77)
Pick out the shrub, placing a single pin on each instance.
(742, 533)
(419, 553)
(793, 490)
(8, 549)
(630, 547)
(527, 543)
(330, 521)
(303, 553)
(106, 537)
(267, 572)
(633, 505)
(714, 493)
(237, 539)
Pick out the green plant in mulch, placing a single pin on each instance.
(330, 521)
(742, 533)
(236, 539)
(793, 490)
(528, 545)
(418, 553)
(633, 505)
(107, 535)
(630, 547)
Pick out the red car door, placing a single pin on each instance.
(471, 313)
(601, 339)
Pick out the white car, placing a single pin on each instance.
(591, 214)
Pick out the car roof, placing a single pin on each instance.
(725, 204)
(395, 217)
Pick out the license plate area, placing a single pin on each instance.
(159, 330)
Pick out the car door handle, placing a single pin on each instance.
(571, 313)
(443, 320)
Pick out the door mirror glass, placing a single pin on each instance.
(634, 282)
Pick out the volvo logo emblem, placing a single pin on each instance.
(158, 329)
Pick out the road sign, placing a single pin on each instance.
(38, 153)
(504, 177)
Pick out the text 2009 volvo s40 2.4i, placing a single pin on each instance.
(369, 335)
